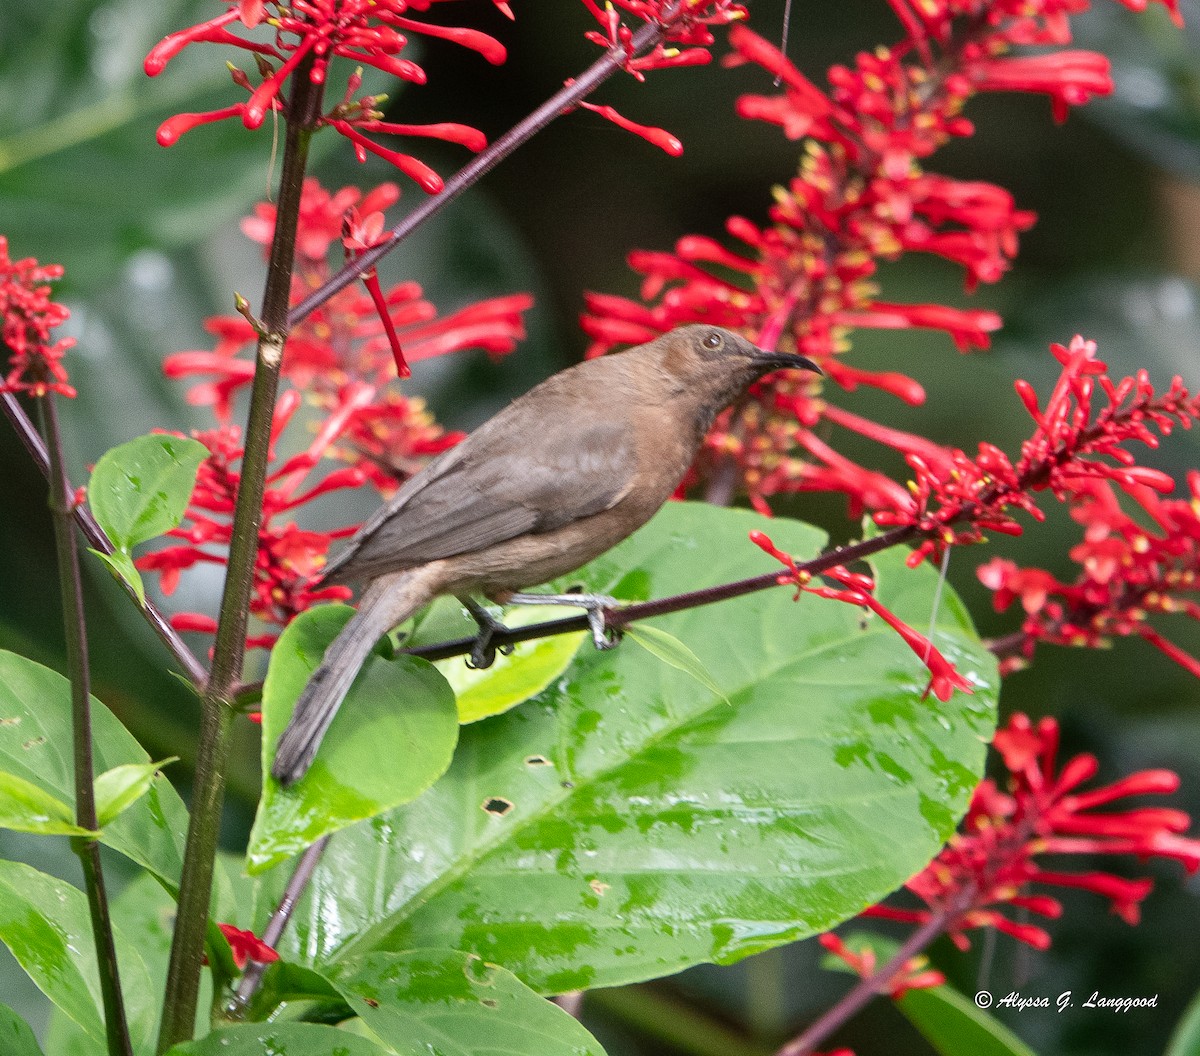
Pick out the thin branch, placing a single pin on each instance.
(98, 540)
(296, 885)
(75, 632)
(861, 994)
(564, 100)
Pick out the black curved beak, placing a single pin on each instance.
(784, 361)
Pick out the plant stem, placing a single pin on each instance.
(216, 724)
(296, 885)
(75, 632)
(563, 101)
(94, 534)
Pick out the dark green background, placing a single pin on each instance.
(150, 242)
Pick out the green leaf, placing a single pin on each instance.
(294, 1039)
(512, 679)
(141, 489)
(25, 807)
(626, 823)
(16, 1038)
(1185, 1041)
(953, 1025)
(122, 786)
(45, 924)
(35, 739)
(670, 650)
(457, 1005)
(393, 737)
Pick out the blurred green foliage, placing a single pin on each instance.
(150, 242)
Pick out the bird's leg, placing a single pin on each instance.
(593, 604)
(483, 653)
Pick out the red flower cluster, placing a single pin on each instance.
(344, 357)
(861, 196)
(27, 316)
(1075, 446)
(989, 865)
(1128, 572)
(371, 32)
(289, 557)
(354, 338)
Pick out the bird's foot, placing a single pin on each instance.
(483, 652)
(595, 605)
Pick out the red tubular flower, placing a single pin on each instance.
(856, 589)
(368, 32)
(684, 37)
(27, 317)
(997, 853)
(914, 974)
(246, 946)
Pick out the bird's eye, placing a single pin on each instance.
(713, 341)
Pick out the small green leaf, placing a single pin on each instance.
(953, 1025)
(267, 1039)
(141, 489)
(46, 925)
(467, 1004)
(670, 650)
(16, 1039)
(35, 722)
(121, 565)
(25, 807)
(393, 737)
(122, 786)
(524, 673)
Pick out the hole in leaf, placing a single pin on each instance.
(497, 805)
(34, 742)
(537, 760)
(489, 1002)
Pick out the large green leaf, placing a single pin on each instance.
(456, 1004)
(1185, 1041)
(25, 807)
(35, 744)
(45, 923)
(394, 736)
(627, 822)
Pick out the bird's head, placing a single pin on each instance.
(721, 364)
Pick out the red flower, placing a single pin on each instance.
(27, 316)
(1128, 572)
(679, 22)
(912, 975)
(997, 854)
(246, 946)
(371, 32)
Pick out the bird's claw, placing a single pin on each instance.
(483, 652)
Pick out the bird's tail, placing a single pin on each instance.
(390, 600)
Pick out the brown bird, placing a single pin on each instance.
(555, 479)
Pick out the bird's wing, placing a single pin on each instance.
(507, 479)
